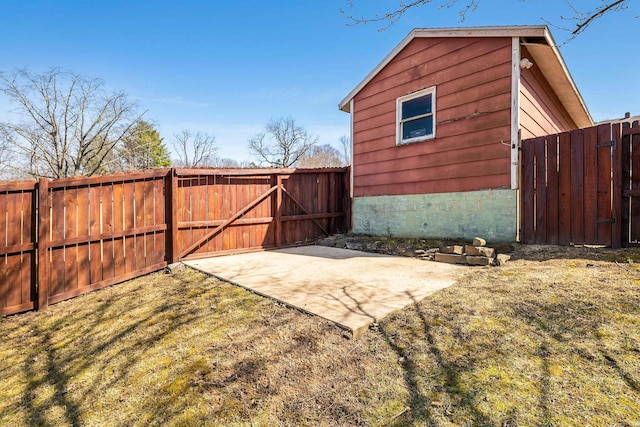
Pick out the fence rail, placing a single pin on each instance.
(66, 237)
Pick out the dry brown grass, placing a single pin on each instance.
(555, 342)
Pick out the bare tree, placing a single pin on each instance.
(321, 156)
(194, 149)
(580, 18)
(69, 123)
(282, 143)
(6, 159)
(141, 148)
(345, 146)
(231, 163)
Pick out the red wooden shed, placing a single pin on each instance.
(435, 129)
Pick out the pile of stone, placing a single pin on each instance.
(475, 254)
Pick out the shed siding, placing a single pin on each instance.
(541, 112)
(473, 91)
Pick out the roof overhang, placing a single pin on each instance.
(539, 42)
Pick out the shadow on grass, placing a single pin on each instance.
(55, 378)
(115, 347)
(419, 404)
(450, 371)
(632, 382)
(69, 356)
(571, 327)
(545, 386)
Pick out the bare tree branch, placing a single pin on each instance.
(282, 143)
(345, 146)
(394, 15)
(581, 19)
(321, 156)
(69, 123)
(585, 19)
(231, 163)
(194, 149)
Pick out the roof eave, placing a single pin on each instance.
(559, 77)
(506, 31)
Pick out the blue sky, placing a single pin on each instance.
(227, 67)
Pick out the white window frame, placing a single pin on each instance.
(399, 122)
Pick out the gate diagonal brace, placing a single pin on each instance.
(222, 226)
(297, 203)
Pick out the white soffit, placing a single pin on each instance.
(549, 61)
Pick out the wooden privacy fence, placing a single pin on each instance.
(578, 187)
(66, 237)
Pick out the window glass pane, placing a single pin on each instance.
(416, 107)
(417, 128)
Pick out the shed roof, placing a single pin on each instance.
(539, 43)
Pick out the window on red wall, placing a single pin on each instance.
(416, 116)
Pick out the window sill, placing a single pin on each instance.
(414, 140)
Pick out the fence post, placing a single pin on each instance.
(42, 273)
(278, 212)
(346, 199)
(172, 216)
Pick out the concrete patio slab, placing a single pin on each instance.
(350, 288)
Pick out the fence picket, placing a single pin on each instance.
(70, 252)
(634, 174)
(604, 183)
(106, 227)
(618, 177)
(564, 181)
(44, 221)
(95, 249)
(527, 185)
(129, 224)
(540, 190)
(84, 278)
(590, 189)
(552, 219)
(119, 225)
(577, 187)
(172, 215)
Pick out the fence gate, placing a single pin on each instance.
(219, 211)
(570, 189)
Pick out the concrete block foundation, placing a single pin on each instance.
(488, 213)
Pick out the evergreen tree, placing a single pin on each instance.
(142, 149)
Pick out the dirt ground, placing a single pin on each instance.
(408, 247)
